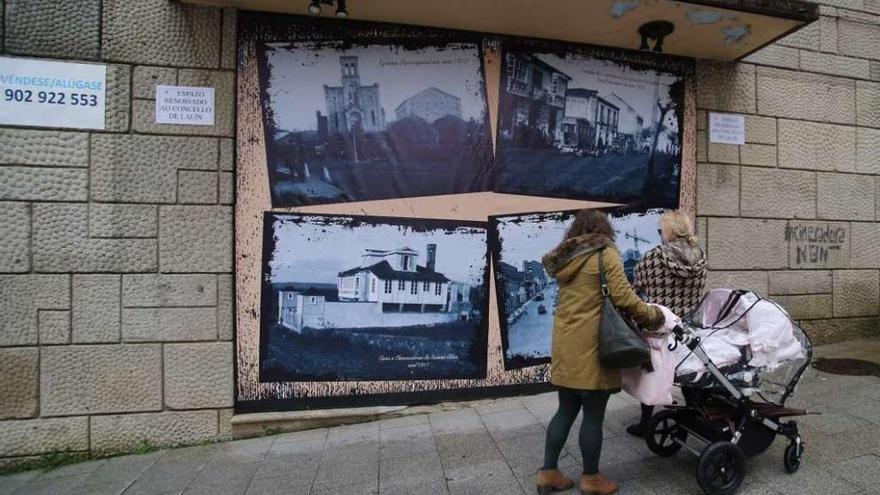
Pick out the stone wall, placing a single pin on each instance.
(116, 255)
(809, 169)
(116, 297)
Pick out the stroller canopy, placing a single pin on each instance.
(752, 340)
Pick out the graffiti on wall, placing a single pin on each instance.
(818, 244)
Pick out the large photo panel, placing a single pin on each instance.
(368, 298)
(527, 295)
(370, 114)
(572, 124)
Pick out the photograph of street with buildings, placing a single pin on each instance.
(580, 127)
(367, 298)
(527, 295)
(374, 121)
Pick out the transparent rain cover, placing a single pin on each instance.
(752, 340)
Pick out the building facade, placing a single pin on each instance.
(430, 105)
(352, 105)
(118, 257)
(538, 91)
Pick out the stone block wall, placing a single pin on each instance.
(116, 292)
(116, 255)
(793, 213)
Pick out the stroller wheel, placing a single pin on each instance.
(661, 431)
(721, 469)
(793, 454)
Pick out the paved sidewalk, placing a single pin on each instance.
(491, 448)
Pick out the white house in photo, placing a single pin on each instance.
(394, 280)
(388, 289)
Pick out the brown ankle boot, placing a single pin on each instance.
(596, 484)
(552, 480)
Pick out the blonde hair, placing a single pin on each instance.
(677, 225)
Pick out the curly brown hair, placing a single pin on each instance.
(590, 221)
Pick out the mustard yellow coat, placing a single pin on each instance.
(575, 350)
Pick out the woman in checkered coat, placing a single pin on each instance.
(672, 275)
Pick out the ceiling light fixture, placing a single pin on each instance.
(340, 9)
(656, 31)
(315, 7)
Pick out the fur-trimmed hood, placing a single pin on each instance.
(572, 248)
(682, 259)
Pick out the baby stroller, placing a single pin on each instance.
(740, 357)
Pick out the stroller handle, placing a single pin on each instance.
(683, 336)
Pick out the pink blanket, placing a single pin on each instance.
(654, 388)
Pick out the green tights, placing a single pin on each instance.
(593, 403)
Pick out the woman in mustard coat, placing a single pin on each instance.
(575, 370)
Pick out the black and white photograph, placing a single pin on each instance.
(371, 298)
(575, 126)
(527, 295)
(369, 121)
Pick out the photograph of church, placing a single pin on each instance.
(374, 121)
(344, 299)
(527, 295)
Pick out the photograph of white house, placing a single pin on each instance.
(360, 294)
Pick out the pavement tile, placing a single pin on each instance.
(250, 450)
(405, 448)
(220, 476)
(415, 419)
(295, 467)
(511, 423)
(868, 410)
(498, 405)
(353, 434)
(365, 488)
(406, 441)
(813, 480)
(525, 454)
(51, 486)
(345, 466)
(280, 481)
(72, 470)
(318, 434)
(296, 447)
(457, 421)
(172, 472)
(12, 482)
(419, 470)
(833, 423)
(467, 449)
(432, 487)
(863, 471)
(490, 477)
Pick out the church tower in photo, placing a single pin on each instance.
(353, 105)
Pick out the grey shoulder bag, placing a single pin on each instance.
(620, 345)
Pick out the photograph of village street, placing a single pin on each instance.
(374, 122)
(580, 127)
(527, 294)
(357, 299)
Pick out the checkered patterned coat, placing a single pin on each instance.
(672, 275)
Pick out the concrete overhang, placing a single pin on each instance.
(709, 29)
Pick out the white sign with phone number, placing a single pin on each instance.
(52, 94)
